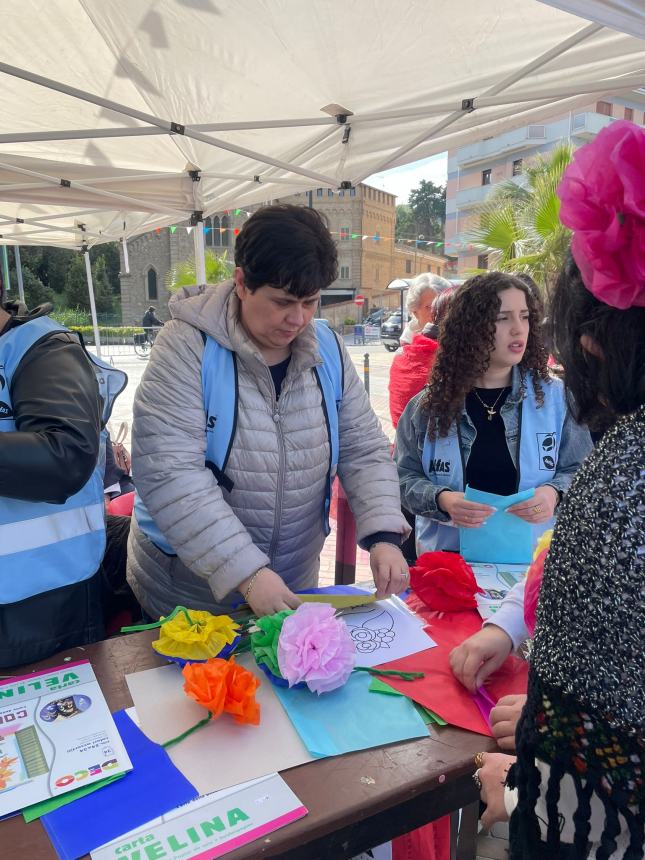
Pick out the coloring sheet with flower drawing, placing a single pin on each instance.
(385, 630)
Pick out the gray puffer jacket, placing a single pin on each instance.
(278, 464)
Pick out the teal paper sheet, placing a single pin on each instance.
(350, 718)
(504, 538)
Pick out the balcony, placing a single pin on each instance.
(587, 125)
(469, 197)
(501, 145)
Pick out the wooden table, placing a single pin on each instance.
(355, 801)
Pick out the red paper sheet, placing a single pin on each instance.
(440, 691)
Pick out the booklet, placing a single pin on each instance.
(496, 580)
(212, 825)
(56, 734)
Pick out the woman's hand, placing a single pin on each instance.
(268, 593)
(389, 569)
(468, 515)
(504, 718)
(492, 775)
(480, 655)
(539, 508)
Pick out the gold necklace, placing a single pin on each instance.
(490, 409)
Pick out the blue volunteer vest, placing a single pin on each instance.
(540, 433)
(45, 546)
(220, 391)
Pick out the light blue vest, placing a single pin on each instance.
(539, 437)
(220, 391)
(45, 546)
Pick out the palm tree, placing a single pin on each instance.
(218, 268)
(519, 226)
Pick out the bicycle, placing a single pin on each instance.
(144, 341)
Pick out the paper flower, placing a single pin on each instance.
(602, 196)
(444, 582)
(201, 638)
(316, 647)
(221, 686)
(534, 580)
(264, 642)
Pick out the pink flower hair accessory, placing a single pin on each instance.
(316, 647)
(602, 196)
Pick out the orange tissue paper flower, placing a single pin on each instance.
(221, 686)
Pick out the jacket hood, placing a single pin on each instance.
(215, 310)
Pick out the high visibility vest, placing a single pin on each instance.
(540, 434)
(45, 546)
(220, 391)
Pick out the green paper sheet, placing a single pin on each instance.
(378, 686)
(31, 813)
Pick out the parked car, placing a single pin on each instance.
(391, 332)
(376, 317)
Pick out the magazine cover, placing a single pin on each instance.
(56, 734)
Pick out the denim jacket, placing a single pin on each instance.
(419, 495)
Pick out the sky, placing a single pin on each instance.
(402, 180)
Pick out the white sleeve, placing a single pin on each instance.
(510, 615)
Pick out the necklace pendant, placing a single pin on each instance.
(491, 412)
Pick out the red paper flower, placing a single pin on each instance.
(602, 198)
(444, 582)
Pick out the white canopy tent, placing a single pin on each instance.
(123, 117)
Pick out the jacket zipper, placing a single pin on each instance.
(277, 420)
(519, 439)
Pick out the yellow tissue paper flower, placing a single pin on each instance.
(202, 639)
(543, 543)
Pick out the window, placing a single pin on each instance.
(376, 274)
(344, 273)
(517, 167)
(352, 192)
(629, 114)
(341, 193)
(319, 192)
(226, 235)
(208, 232)
(344, 234)
(330, 193)
(486, 177)
(482, 261)
(151, 284)
(408, 267)
(217, 234)
(603, 108)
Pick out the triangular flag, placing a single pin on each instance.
(189, 230)
(355, 235)
(365, 237)
(237, 211)
(236, 231)
(157, 229)
(173, 228)
(207, 230)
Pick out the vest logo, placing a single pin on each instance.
(439, 465)
(2, 382)
(547, 451)
(210, 422)
(5, 410)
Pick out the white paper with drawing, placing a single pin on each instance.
(384, 631)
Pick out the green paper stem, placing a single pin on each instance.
(392, 673)
(154, 624)
(189, 731)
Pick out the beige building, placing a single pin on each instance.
(361, 220)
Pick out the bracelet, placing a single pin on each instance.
(251, 584)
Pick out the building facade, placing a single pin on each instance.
(361, 220)
(475, 169)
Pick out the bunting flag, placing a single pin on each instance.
(173, 228)
(207, 230)
(189, 230)
(157, 230)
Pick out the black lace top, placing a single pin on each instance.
(584, 723)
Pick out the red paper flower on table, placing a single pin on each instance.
(444, 582)
(221, 686)
(602, 197)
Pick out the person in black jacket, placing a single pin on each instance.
(48, 456)
(149, 322)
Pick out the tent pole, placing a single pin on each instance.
(166, 125)
(126, 259)
(508, 81)
(21, 288)
(5, 270)
(90, 289)
(200, 261)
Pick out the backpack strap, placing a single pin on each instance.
(331, 380)
(220, 388)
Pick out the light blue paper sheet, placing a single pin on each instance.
(350, 718)
(504, 538)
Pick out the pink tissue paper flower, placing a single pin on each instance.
(602, 196)
(316, 647)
